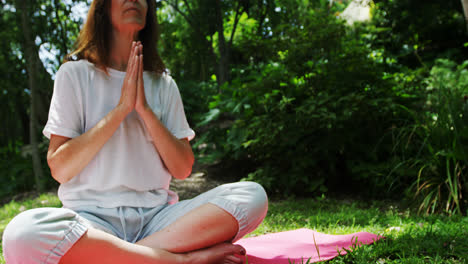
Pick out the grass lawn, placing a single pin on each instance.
(410, 238)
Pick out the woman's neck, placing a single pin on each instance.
(120, 48)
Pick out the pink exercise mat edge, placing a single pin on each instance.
(301, 244)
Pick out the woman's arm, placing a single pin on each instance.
(176, 153)
(68, 157)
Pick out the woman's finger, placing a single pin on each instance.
(130, 63)
(137, 48)
(136, 69)
(132, 53)
(140, 72)
(134, 64)
(140, 64)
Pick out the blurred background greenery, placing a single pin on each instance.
(298, 95)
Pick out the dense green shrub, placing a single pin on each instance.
(310, 117)
(420, 31)
(435, 146)
(16, 169)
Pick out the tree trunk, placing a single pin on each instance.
(223, 65)
(22, 115)
(33, 76)
(465, 11)
(208, 44)
(224, 47)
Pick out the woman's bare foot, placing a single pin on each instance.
(224, 253)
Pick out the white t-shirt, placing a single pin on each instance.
(128, 170)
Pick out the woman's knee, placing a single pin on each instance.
(249, 196)
(258, 198)
(251, 205)
(19, 234)
(33, 236)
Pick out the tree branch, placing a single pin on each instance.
(176, 8)
(188, 8)
(208, 44)
(185, 16)
(236, 20)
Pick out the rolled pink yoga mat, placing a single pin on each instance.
(298, 245)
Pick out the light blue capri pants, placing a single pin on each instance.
(44, 235)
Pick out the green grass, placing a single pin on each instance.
(410, 238)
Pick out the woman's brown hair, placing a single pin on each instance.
(93, 42)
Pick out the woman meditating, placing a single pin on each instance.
(118, 134)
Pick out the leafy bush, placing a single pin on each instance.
(436, 144)
(16, 169)
(420, 31)
(309, 117)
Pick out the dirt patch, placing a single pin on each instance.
(201, 180)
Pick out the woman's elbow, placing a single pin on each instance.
(182, 172)
(56, 170)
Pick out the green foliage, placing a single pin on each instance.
(16, 169)
(319, 105)
(53, 31)
(310, 105)
(436, 144)
(305, 122)
(419, 31)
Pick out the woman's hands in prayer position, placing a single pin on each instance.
(133, 89)
(67, 157)
(176, 153)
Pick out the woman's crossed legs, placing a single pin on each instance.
(192, 231)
